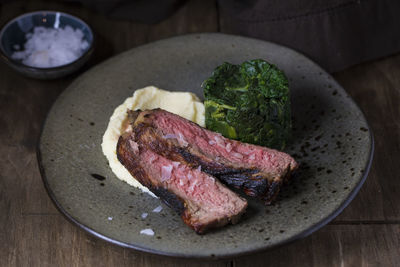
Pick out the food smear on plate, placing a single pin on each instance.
(249, 102)
(184, 104)
(52, 47)
(257, 171)
(202, 201)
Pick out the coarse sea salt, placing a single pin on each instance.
(48, 47)
(166, 172)
(147, 232)
(144, 215)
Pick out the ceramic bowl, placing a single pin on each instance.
(13, 35)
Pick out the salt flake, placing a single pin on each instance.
(147, 232)
(158, 209)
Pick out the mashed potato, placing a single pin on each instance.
(183, 104)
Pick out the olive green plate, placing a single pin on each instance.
(332, 141)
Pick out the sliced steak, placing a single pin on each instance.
(258, 171)
(201, 200)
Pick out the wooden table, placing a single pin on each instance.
(34, 233)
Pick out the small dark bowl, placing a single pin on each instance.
(13, 33)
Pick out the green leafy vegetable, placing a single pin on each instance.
(249, 102)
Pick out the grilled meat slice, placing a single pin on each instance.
(201, 200)
(258, 171)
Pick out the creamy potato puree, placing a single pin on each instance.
(184, 104)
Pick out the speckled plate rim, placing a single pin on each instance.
(245, 251)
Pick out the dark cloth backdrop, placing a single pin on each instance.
(334, 33)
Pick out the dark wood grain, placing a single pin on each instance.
(33, 233)
(336, 245)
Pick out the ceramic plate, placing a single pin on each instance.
(332, 142)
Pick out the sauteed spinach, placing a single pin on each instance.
(249, 102)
